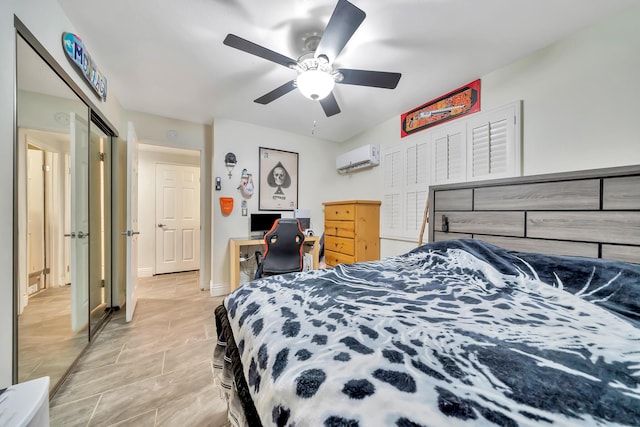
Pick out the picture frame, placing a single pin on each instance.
(457, 103)
(278, 180)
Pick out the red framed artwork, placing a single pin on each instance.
(460, 102)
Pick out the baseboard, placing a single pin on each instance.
(145, 272)
(218, 289)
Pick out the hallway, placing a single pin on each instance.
(154, 371)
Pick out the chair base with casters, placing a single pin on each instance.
(283, 249)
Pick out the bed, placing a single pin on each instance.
(457, 332)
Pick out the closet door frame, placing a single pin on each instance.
(96, 119)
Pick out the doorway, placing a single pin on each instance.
(177, 218)
(169, 210)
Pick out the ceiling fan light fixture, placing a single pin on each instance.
(315, 84)
(316, 75)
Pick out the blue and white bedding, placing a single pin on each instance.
(452, 333)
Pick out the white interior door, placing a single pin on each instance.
(132, 222)
(35, 210)
(177, 218)
(56, 212)
(79, 147)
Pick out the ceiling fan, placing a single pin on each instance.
(316, 76)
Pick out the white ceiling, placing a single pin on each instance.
(166, 57)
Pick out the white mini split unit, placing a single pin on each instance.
(362, 157)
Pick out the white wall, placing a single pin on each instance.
(580, 108)
(580, 98)
(316, 171)
(149, 156)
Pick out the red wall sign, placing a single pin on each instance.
(462, 101)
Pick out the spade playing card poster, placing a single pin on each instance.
(278, 180)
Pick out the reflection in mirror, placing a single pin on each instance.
(99, 226)
(52, 216)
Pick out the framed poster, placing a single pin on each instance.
(278, 180)
(460, 102)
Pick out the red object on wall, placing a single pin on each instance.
(462, 101)
(226, 205)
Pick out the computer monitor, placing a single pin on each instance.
(304, 217)
(260, 223)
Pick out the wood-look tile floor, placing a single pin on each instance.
(44, 329)
(155, 370)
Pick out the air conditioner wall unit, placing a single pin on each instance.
(362, 157)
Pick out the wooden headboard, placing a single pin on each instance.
(594, 213)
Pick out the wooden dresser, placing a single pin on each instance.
(351, 231)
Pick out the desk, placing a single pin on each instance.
(234, 255)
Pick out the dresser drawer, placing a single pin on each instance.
(340, 228)
(340, 212)
(339, 244)
(334, 258)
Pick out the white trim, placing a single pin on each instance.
(145, 272)
(218, 289)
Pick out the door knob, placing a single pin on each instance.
(162, 225)
(82, 235)
(72, 235)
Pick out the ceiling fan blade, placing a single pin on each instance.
(330, 105)
(344, 21)
(257, 50)
(276, 93)
(370, 78)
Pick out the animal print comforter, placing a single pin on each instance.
(453, 333)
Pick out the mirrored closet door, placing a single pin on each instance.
(63, 191)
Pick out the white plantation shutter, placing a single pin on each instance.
(422, 164)
(416, 187)
(415, 204)
(391, 209)
(393, 169)
(406, 169)
(480, 150)
(411, 170)
(391, 213)
(457, 153)
(498, 147)
(449, 154)
(489, 148)
(417, 164)
(480, 146)
(441, 159)
(494, 144)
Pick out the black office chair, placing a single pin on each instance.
(283, 249)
